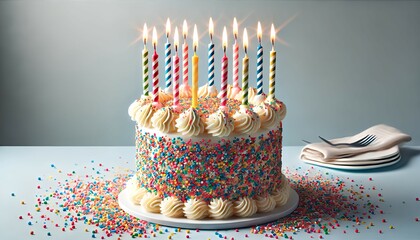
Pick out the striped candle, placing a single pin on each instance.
(224, 71)
(235, 72)
(176, 71)
(259, 62)
(245, 64)
(272, 83)
(168, 70)
(145, 58)
(155, 68)
(211, 55)
(194, 93)
(185, 55)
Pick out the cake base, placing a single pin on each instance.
(234, 222)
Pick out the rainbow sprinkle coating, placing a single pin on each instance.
(207, 169)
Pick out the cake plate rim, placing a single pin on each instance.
(208, 224)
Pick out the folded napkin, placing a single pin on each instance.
(386, 137)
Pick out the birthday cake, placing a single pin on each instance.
(206, 162)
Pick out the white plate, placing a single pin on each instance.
(369, 156)
(391, 161)
(259, 218)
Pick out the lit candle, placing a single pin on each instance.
(224, 71)
(194, 102)
(168, 70)
(155, 67)
(145, 55)
(176, 70)
(211, 55)
(245, 64)
(185, 54)
(235, 75)
(272, 84)
(259, 62)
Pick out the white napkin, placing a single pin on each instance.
(386, 137)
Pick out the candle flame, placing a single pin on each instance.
(211, 29)
(176, 39)
(195, 38)
(145, 34)
(154, 38)
(224, 39)
(185, 29)
(168, 28)
(259, 32)
(245, 40)
(235, 28)
(273, 35)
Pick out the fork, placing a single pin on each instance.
(363, 142)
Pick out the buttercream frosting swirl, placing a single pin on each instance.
(196, 209)
(134, 109)
(245, 207)
(265, 204)
(282, 193)
(172, 207)
(189, 123)
(164, 120)
(207, 91)
(251, 93)
(135, 192)
(219, 124)
(185, 91)
(220, 209)
(267, 114)
(246, 121)
(144, 115)
(164, 97)
(151, 202)
(279, 106)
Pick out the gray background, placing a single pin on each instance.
(69, 69)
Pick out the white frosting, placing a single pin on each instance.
(144, 115)
(246, 121)
(207, 91)
(245, 207)
(265, 204)
(267, 114)
(189, 123)
(151, 202)
(134, 109)
(219, 124)
(164, 96)
(282, 193)
(220, 209)
(184, 91)
(172, 207)
(164, 120)
(196, 209)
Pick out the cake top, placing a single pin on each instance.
(208, 117)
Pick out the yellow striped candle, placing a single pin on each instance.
(194, 101)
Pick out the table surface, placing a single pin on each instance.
(23, 169)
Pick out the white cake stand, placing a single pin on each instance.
(259, 218)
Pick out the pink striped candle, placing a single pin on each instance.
(235, 78)
(224, 71)
(155, 67)
(176, 71)
(185, 54)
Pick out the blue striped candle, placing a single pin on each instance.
(259, 62)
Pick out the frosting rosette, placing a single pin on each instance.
(246, 121)
(196, 209)
(164, 120)
(267, 114)
(151, 202)
(189, 123)
(164, 97)
(245, 207)
(207, 91)
(220, 209)
(282, 193)
(219, 124)
(279, 106)
(265, 204)
(172, 207)
(144, 114)
(185, 91)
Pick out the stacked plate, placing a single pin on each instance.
(368, 160)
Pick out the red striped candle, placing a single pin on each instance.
(155, 67)
(185, 54)
(224, 71)
(175, 78)
(236, 87)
